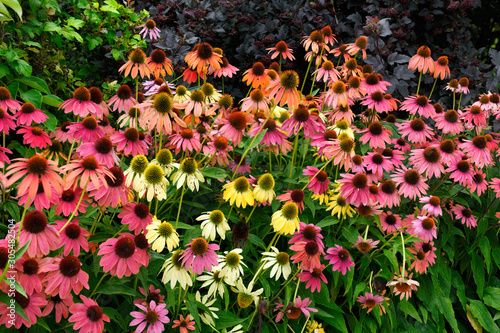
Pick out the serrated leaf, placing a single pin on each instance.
(480, 311)
(75, 23)
(32, 96)
(35, 82)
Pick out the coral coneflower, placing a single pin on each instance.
(34, 137)
(461, 172)
(119, 256)
(432, 205)
(61, 305)
(293, 310)
(88, 170)
(465, 216)
(376, 135)
(449, 122)
(136, 64)
(184, 324)
(88, 130)
(313, 278)
(202, 57)
(285, 90)
(318, 180)
(101, 149)
(88, 317)
(65, 275)
(6, 101)
(67, 201)
(411, 183)
(136, 216)
(422, 61)
(360, 45)
(355, 188)
(225, 70)
(374, 82)
(295, 196)
(370, 301)
(129, 142)
(31, 306)
(377, 102)
(424, 227)
(337, 95)
(81, 104)
(73, 237)
(115, 193)
(200, 255)
(233, 127)
(314, 41)
(327, 72)
(477, 151)
(256, 76)
(441, 69)
(423, 254)
(257, 101)
(308, 254)
(28, 114)
(427, 160)
(6, 122)
(123, 100)
(281, 49)
(159, 64)
(340, 259)
(416, 130)
(302, 118)
(479, 183)
(31, 275)
(390, 222)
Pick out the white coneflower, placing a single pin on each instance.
(206, 316)
(153, 183)
(174, 272)
(245, 294)
(214, 281)
(188, 173)
(161, 233)
(212, 222)
(230, 265)
(164, 159)
(279, 261)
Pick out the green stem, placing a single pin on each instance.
(433, 86)
(366, 232)
(459, 101)
(295, 144)
(317, 172)
(316, 72)
(97, 285)
(453, 108)
(249, 216)
(419, 80)
(307, 72)
(21, 222)
(76, 209)
(180, 205)
(222, 84)
(404, 255)
(254, 312)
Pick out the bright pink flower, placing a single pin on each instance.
(6, 101)
(449, 153)
(377, 102)
(376, 135)
(370, 301)
(123, 100)
(377, 163)
(154, 33)
(219, 150)
(101, 149)
(388, 195)
(233, 127)
(137, 216)
(479, 182)
(355, 188)
(152, 294)
(68, 200)
(418, 105)
(296, 196)
(88, 130)
(154, 315)
(422, 61)
(313, 278)
(308, 232)
(6, 122)
(401, 144)
(340, 259)
(119, 256)
(318, 181)
(302, 118)
(129, 142)
(411, 183)
(327, 72)
(477, 151)
(61, 133)
(293, 310)
(200, 255)
(44, 238)
(365, 245)
(185, 141)
(32, 308)
(115, 193)
(41, 200)
(35, 137)
(424, 227)
(449, 122)
(423, 255)
(65, 275)
(427, 160)
(88, 170)
(88, 317)
(31, 274)
(281, 49)
(475, 115)
(416, 130)
(28, 114)
(465, 216)
(461, 172)
(61, 305)
(81, 104)
(73, 237)
(432, 205)
(308, 254)
(374, 82)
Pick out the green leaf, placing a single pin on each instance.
(22, 67)
(334, 318)
(227, 319)
(446, 308)
(4, 70)
(5, 299)
(51, 26)
(477, 266)
(75, 23)
(32, 96)
(288, 294)
(181, 225)
(20, 252)
(251, 143)
(15, 7)
(117, 289)
(327, 221)
(19, 288)
(40, 321)
(35, 82)
(107, 8)
(482, 314)
(13, 210)
(256, 241)
(4, 13)
(93, 43)
(143, 277)
(359, 288)
(484, 245)
(409, 309)
(212, 172)
(51, 123)
(492, 297)
(193, 311)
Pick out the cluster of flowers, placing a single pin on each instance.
(202, 128)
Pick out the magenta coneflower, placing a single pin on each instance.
(302, 118)
(88, 170)
(463, 86)
(31, 275)
(411, 183)
(101, 149)
(377, 163)
(475, 115)
(233, 127)
(403, 285)
(200, 255)
(154, 315)
(365, 245)
(185, 141)
(422, 61)
(151, 294)
(477, 151)
(44, 238)
(424, 227)
(6, 122)
(61, 133)
(149, 28)
(88, 130)
(243, 168)
(370, 301)
(401, 144)
(28, 114)
(449, 122)
(461, 172)
(61, 305)
(81, 104)
(449, 152)
(416, 130)
(123, 100)
(137, 216)
(37, 169)
(340, 259)
(313, 278)
(88, 317)
(274, 138)
(31, 306)
(355, 188)
(308, 254)
(479, 183)
(295, 196)
(6, 101)
(67, 201)
(34, 137)
(73, 237)
(377, 102)
(376, 135)
(120, 257)
(308, 232)
(65, 275)
(396, 157)
(390, 222)
(465, 216)
(432, 205)
(116, 191)
(374, 82)
(419, 105)
(388, 195)
(129, 142)
(327, 72)
(293, 310)
(423, 254)
(318, 180)
(427, 160)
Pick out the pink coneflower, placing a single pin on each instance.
(313, 278)
(256, 76)
(73, 237)
(355, 188)
(449, 152)
(284, 91)
(359, 45)
(185, 141)
(432, 205)
(233, 127)
(243, 168)
(411, 183)
(377, 102)
(149, 28)
(61, 133)
(61, 305)
(308, 232)
(218, 150)
(495, 186)
(154, 315)
(88, 317)
(370, 301)
(31, 275)
(6, 101)
(388, 195)
(419, 105)
(44, 238)
(337, 95)
(295, 196)
(67, 201)
(226, 69)
(293, 310)
(327, 72)
(463, 86)
(422, 61)
(6, 122)
(394, 156)
(302, 118)
(423, 256)
(390, 222)
(449, 122)
(88, 130)
(356, 90)
(65, 275)
(152, 294)
(31, 306)
(97, 98)
(314, 41)
(465, 216)
(115, 193)
(374, 82)
(101, 149)
(257, 101)
(81, 104)
(37, 169)
(200, 255)
(341, 113)
(184, 324)
(427, 160)
(321, 140)
(477, 151)
(403, 285)
(341, 151)
(137, 216)
(34, 137)
(40, 200)
(274, 138)
(401, 144)
(377, 163)
(120, 257)
(328, 35)
(376, 135)
(123, 100)
(308, 254)
(416, 130)
(461, 172)
(365, 245)
(475, 115)
(340, 259)
(129, 142)
(479, 182)
(88, 170)
(281, 49)
(424, 227)
(196, 104)
(28, 114)
(318, 180)
(341, 51)
(441, 69)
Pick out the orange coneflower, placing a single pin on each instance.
(422, 61)
(203, 56)
(159, 63)
(256, 76)
(285, 90)
(282, 49)
(360, 44)
(313, 41)
(136, 64)
(329, 35)
(441, 68)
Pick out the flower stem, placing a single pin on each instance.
(21, 222)
(180, 205)
(295, 144)
(307, 72)
(459, 100)
(366, 232)
(404, 255)
(433, 86)
(316, 72)
(74, 212)
(371, 277)
(97, 285)
(419, 80)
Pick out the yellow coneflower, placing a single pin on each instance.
(264, 191)
(286, 220)
(239, 191)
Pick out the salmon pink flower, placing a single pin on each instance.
(374, 82)
(370, 301)
(6, 122)
(44, 238)
(61, 305)
(313, 278)
(479, 183)
(115, 193)
(129, 142)
(123, 100)
(403, 286)
(225, 70)
(390, 222)
(65, 275)
(318, 180)
(423, 255)
(355, 188)
(477, 151)
(461, 172)
(295, 196)
(308, 254)
(416, 130)
(200, 255)
(34, 137)
(377, 102)
(31, 306)
(67, 200)
(419, 105)
(6, 101)
(120, 256)
(81, 104)
(411, 183)
(137, 216)
(293, 310)
(422, 61)
(101, 149)
(281, 49)
(327, 72)
(31, 275)
(184, 324)
(136, 64)
(88, 317)
(302, 118)
(284, 91)
(432, 205)
(424, 227)
(376, 135)
(88, 130)
(88, 170)
(427, 160)
(28, 114)
(465, 216)
(73, 237)
(441, 69)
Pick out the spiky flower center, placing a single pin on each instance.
(37, 164)
(238, 120)
(137, 56)
(181, 90)
(412, 177)
(417, 125)
(4, 94)
(466, 212)
(131, 134)
(163, 103)
(134, 112)
(103, 145)
(360, 181)
(282, 258)
(435, 201)
(27, 108)
(327, 65)
(125, 247)
(241, 184)
(226, 101)
(68, 195)
(443, 61)
(72, 231)
(447, 146)
(290, 211)
(339, 87)
(94, 313)
(257, 95)
(266, 182)
(69, 266)
(431, 154)
(90, 123)
(317, 37)
(289, 79)
(141, 210)
(208, 89)
(479, 142)
(158, 56)
(176, 258)
(424, 51)
(164, 157)
(90, 163)
(189, 166)
(464, 166)
(186, 134)
(463, 82)
(165, 229)
(205, 51)
(216, 217)
(377, 96)
(124, 92)
(199, 246)
(82, 94)
(233, 259)
(451, 116)
(118, 177)
(139, 164)
(154, 174)
(35, 222)
(258, 69)
(428, 223)
(372, 79)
